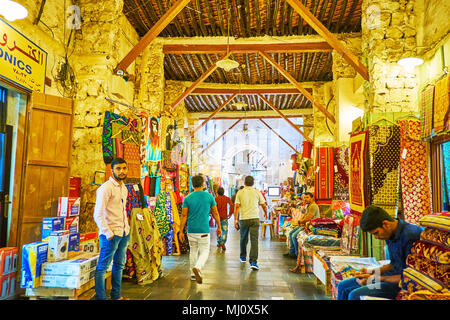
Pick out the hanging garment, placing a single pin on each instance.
(324, 175)
(358, 172)
(341, 169)
(307, 148)
(167, 163)
(426, 111)
(350, 234)
(160, 213)
(183, 178)
(184, 246)
(415, 183)
(446, 173)
(384, 167)
(441, 104)
(131, 156)
(145, 246)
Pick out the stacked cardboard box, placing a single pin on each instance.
(8, 271)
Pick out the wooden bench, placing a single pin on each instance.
(85, 292)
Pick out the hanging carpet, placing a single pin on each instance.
(358, 172)
(341, 169)
(324, 175)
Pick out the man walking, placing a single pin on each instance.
(196, 209)
(246, 206)
(222, 206)
(114, 231)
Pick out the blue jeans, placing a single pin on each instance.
(293, 243)
(224, 226)
(249, 227)
(349, 289)
(114, 249)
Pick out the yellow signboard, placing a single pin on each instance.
(21, 61)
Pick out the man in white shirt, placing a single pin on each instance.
(246, 218)
(114, 231)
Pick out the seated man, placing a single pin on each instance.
(384, 281)
(311, 211)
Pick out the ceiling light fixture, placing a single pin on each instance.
(410, 63)
(227, 64)
(240, 105)
(12, 10)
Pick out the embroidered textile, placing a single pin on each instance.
(426, 111)
(324, 174)
(384, 160)
(441, 104)
(350, 234)
(430, 251)
(357, 172)
(414, 280)
(436, 236)
(439, 221)
(326, 232)
(160, 213)
(428, 295)
(341, 169)
(433, 269)
(413, 172)
(131, 156)
(145, 246)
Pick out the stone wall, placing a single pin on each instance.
(389, 34)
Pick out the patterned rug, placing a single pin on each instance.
(341, 169)
(384, 163)
(414, 179)
(441, 103)
(324, 175)
(358, 172)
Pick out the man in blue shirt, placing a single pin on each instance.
(196, 209)
(384, 281)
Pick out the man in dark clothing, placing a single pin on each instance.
(222, 206)
(399, 236)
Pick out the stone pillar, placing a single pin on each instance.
(389, 34)
(150, 79)
(323, 128)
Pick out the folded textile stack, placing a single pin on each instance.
(325, 226)
(427, 276)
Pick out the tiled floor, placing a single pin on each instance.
(225, 278)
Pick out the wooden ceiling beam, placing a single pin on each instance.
(282, 47)
(291, 79)
(330, 38)
(151, 35)
(286, 118)
(212, 91)
(220, 137)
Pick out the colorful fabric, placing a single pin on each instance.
(432, 252)
(341, 169)
(324, 174)
(414, 280)
(358, 172)
(415, 183)
(441, 104)
(160, 214)
(428, 295)
(145, 246)
(436, 236)
(322, 222)
(131, 156)
(446, 174)
(183, 178)
(433, 269)
(426, 111)
(350, 234)
(167, 163)
(439, 221)
(222, 207)
(307, 148)
(119, 147)
(322, 240)
(326, 232)
(107, 142)
(169, 237)
(384, 163)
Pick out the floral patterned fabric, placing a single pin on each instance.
(341, 170)
(433, 269)
(441, 104)
(415, 183)
(436, 236)
(324, 175)
(432, 252)
(439, 221)
(426, 111)
(358, 172)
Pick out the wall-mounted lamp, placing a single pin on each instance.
(12, 10)
(410, 63)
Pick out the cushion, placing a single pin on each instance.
(439, 221)
(436, 236)
(433, 269)
(419, 281)
(430, 251)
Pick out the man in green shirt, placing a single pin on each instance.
(196, 209)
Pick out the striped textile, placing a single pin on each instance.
(426, 111)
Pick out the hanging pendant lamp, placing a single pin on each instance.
(227, 64)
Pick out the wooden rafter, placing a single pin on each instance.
(151, 35)
(278, 135)
(200, 91)
(213, 114)
(196, 83)
(219, 137)
(285, 118)
(288, 76)
(329, 37)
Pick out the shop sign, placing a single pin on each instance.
(21, 61)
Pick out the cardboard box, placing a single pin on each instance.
(58, 245)
(68, 207)
(74, 244)
(70, 282)
(33, 256)
(73, 267)
(8, 260)
(71, 224)
(52, 224)
(89, 243)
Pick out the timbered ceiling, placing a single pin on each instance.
(247, 18)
